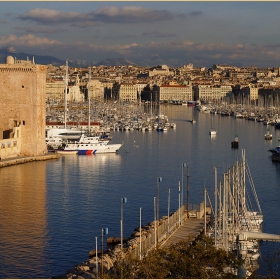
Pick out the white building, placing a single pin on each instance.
(160, 70)
(95, 89)
(75, 94)
(252, 91)
(128, 92)
(55, 91)
(172, 92)
(211, 93)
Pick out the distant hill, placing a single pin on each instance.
(39, 59)
(115, 62)
(45, 60)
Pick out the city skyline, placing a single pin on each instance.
(146, 33)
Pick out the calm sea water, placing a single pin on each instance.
(51, 212)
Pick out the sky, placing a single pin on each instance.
(147, 33)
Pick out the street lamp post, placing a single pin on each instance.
(168, 209)
(179, 192)
(104, 231)
(188, 191)
(140, 251)
(182, 195)
(155, 217)
(159, 179)
(96, 257)
(123, 200)
(215, 213)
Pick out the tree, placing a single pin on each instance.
(199, 259)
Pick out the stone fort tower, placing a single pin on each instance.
(22, 108)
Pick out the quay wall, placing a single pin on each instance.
(21, 160)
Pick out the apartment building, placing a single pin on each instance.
(55, 91)
(174, 92)
(211, 93)
(128, 92)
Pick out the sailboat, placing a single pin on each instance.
(65, 133)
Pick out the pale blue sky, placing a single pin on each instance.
(147, 33)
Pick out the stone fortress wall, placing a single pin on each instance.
(22, 108)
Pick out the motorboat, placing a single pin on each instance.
(191, 103)
(53, 143)
(275, 151)
(235, 143)
(212, 132)
(101, 147)
(64, 133)
(268, 135)
(89, 145)
(94, 145)
(159, 128)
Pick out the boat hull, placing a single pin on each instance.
(102, 149)
(66, 152)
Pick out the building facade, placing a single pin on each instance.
(23, 108)
(210, 92)
(128, 92)
(172, 92)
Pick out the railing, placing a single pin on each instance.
(156, 238)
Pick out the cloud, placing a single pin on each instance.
(173, 53)
(128, 46)
(26, 41)
(52, 17)
(106, 14)
(39, 30)
(158, 34)
(189, 15)
(130, 14)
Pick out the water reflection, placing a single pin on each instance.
(23, 219)
(51, 212)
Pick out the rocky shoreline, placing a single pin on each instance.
(87, 269)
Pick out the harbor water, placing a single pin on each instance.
(51, 211)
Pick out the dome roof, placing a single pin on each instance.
(10, 60)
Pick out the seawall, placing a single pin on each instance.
(20, 160)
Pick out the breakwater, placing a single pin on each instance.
(142, 240)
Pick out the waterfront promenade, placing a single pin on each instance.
(189, 228)
(24, 159)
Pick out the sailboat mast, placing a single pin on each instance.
(89, 77)
(65, 97)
